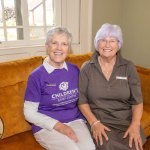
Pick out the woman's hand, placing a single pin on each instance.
(66, 130)
(99, 131)
(134, 136)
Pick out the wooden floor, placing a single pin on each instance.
(147, 145)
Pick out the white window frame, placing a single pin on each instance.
(82, 43)
(26, 27)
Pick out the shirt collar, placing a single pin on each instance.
(49, 68)
(119, 60)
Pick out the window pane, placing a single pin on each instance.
(1, 19)
(11, 34)
(15, 34)
(49, 13)
(2, 35)
(20, 34)
(35, 8)
(18, 9)
(36, 33)
(38, 16)
(9, 13)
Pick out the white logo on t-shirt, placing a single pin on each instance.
(63, 86)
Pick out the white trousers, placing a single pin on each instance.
(54, 140)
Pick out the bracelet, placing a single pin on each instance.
(94, 123)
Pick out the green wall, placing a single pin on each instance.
(134, 18)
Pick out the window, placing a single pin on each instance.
(27, 20)
(24, 23)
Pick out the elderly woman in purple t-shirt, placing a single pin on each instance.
(51, 98)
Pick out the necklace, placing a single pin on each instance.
(107, 72)
(106, 67)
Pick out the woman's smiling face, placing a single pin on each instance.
(108, 47)
(57, 49)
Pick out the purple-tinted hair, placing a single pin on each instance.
(108, 30)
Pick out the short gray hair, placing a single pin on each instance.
(58, 30)
(108, 30)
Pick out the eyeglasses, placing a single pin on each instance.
(110, 42)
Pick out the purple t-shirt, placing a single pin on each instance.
(57, 93)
